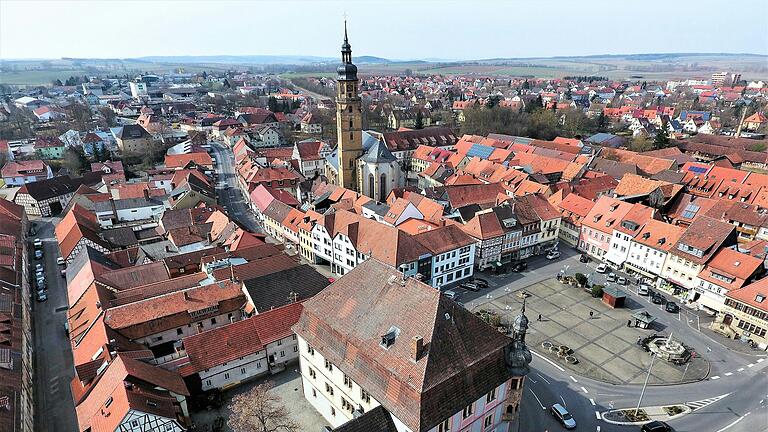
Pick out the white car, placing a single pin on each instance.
(60, 261)
(553, 255)
(451, 294)
(602, 268)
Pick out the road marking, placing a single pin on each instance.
(572, 378)
(739, 369)
(715, 377)
(597, 415)
(563, 400)
(735, 421)
(760, 360)
(532, 380)
(584, 390)
(537, 398)
(697, 405)
(728, 373)
(542, 377)
(548, 361)
(750, 365)
(592, 401)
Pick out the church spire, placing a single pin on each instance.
(347, 71)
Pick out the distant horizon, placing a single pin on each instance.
(401, 60)
(123, 29)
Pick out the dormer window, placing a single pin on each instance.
(759, 298)
(388, 339)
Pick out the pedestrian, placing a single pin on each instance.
(539, 319)
(590, 314)
(629, 323)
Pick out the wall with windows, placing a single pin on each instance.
(190, 329)
(647, 260)
(680, 271)
(335, 396)
(453, 266)
(234, 372)
(618, 249)
(330, 391)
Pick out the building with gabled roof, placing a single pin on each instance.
(364, 345)
(703, 238)
(728, 270)
(133, 395)
(745, 314)
(649, 247)
(597, 227)
(243, 350)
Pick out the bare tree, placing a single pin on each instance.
(259, 410)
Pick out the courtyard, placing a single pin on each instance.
(287, 385)
(605, 347)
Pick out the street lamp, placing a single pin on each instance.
(642, 393)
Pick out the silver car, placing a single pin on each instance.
(563, 416)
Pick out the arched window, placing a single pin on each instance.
(383, 187)
(371, 184)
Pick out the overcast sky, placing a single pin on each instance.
(469, 29)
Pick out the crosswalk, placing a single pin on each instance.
(699, 404)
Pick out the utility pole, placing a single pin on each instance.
(642, 393)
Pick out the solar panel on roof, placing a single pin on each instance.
(698, 170)
(690, 211)
(481, 151)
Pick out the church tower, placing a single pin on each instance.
(349, 121)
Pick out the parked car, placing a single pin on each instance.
(657, 299)
(553, 255)
(38, 243)
(63, 273)
(41, 284)
(39, 267)
(453, 295)
(611, 277)
(656, 426)
(38, 254)
(643, 290)
(602, 268)
(621, 280)
(672, 307)
(563, 416)
(584, 258)
(470, 286)
(482, 283)
(60, 261)
(42, 296)
(519, 266)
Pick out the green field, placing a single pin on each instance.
(649, 67)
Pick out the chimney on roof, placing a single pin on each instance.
(417, 348)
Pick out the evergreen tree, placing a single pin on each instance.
(272, 104)
(602, 121)
(419, 124)
(662, 138)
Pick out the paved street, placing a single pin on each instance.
(53, 353)
(229, 194)
(743, 377)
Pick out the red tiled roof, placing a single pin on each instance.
(232, 341)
